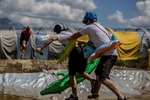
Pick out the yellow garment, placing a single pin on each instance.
(130, 47)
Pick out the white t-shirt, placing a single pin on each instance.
(62, 36)
(98, 36)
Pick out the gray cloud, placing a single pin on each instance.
(46, 12)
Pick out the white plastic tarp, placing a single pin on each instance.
(30, 84)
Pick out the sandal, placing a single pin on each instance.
(92, 96)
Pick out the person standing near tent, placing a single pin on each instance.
(77, 63)
(24, 38)
(98, 35)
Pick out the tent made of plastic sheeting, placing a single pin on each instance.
(8, 44)
(135, 43)
(144, 41)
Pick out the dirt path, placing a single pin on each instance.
(28, 66)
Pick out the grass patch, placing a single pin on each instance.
(141, 63)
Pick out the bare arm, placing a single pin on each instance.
(50, 40)
(74, 36)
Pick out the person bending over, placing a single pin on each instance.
(24, 38)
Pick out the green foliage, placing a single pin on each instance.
(120, 63)
(141, 63)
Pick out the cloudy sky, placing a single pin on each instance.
(47, 13)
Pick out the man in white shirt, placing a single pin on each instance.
(98, 35)
(77, 63)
